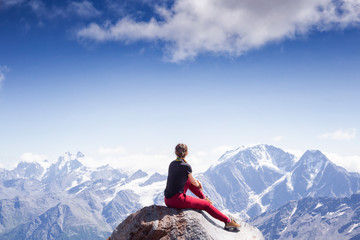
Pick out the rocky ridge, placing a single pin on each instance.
(159, 222)
(313, 218)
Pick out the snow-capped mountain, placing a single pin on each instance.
(315, 175)
(253, 180)
(313, 218)
(68, 200)
(59, 222)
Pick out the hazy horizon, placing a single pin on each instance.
(200, 161)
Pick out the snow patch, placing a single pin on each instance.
(293, 211)
(318, 205)
(146, 194)
(314, 166)
(341, 213)
(353, 227)
(256, 198)
(289, 184)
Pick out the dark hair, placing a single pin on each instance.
(181, 150)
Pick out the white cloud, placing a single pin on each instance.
(219, 151)
(112, 151)
(153, 160)
(119, 157)
(10, 3)
(32, 157)
(296, 152)
(278, 138)
(350, 163)
(42, 11)
(3, 70)
(202, 160)
(226, 26)
(84, 9)
(148, 149)
(340, 135)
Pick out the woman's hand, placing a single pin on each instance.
(200, 185)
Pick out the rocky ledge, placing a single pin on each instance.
(159, 222)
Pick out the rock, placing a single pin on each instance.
(159, 222)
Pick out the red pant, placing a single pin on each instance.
(181, 200)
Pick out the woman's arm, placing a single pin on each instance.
(194, 181)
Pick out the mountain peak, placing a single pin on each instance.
(260, 155)
(69, 161)
(29, 170)
(67, 156)
(65, 165)
(80, 155)
(309, 170)
(138, 174)
(313, 160)
(314, 153)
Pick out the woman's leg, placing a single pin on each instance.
(194, 190)
(201, 204)
(181, 200)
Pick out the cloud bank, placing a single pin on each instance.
(350, 163)
(229, 27)
(33, 157)
(340, 135)
(278, 138)
(152, 160)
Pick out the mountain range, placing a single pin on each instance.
(67, 200)
(313, 218)
(253, 180)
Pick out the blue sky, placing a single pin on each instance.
(124, 82)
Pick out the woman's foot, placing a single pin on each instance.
(232, 225)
